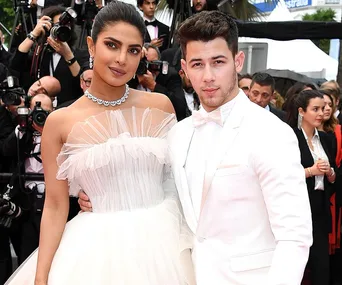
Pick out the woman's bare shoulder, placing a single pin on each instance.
(155, 100)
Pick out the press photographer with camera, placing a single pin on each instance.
(52, 39)
(24, 196)
(154, 75)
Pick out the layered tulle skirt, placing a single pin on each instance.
(138, 247)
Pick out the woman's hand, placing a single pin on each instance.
(323, 166)
(315, 170)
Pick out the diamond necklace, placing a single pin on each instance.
(107, 103)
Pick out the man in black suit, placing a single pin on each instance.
(157, 32)
(262, 91)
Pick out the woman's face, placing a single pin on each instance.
(313, 115)
(117, 53)
(328, 108)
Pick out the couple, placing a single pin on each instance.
(247, 214)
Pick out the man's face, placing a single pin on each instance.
(86, 78)
(199, 5)
(245, 84)
(39, 87)
(148, 8)
(151, 54)
(212, 70)
(260, 95)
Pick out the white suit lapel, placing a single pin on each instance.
(182, 185)
(226, 140)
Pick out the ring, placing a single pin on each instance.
(44, 25)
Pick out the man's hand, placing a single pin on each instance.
(157, 42)
(61, 47)
(147, 80)
(43, 23)
(83, 201)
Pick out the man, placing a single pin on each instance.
(244, 82)
(169, 84)
(86, 78)
(191, 97)
(5, 56)
(245, 201)
(48, 85)
(262, 92)
(157, 32)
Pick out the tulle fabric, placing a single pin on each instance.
(136, 232)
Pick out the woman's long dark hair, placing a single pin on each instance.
(300, 100)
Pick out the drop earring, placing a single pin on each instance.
(91, 62)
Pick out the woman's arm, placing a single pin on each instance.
(56, 205)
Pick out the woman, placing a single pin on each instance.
(305, 115)
(332, 128)
(112, 144)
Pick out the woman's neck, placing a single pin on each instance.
(321, 128)
(309, 130)
(104, 91)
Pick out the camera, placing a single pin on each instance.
(10, 91)
(153, 66)
(26, 117)
(61, 31)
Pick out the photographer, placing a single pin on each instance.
(53, 55)
(27, 196)
(155, 76)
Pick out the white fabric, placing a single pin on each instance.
(205, 137)
(19, 134)
(267, 108)
(136, 233)
(152, 30)
(56, 57)
(32, 165)
(317, 153)
(255, 225)
(189, 97)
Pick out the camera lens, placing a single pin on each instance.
(39, 118)
(61, 33)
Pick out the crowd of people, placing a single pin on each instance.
(56, 78)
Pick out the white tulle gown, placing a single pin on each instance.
(136, 233)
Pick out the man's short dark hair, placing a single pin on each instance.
(207, 26)
(243, 76)
(140, 2)
(263, 79)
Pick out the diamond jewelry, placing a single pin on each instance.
(107, 103)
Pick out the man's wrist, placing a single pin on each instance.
(153, 86)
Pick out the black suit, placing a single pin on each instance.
(162, 30)
(279, 113)
(169, 84)
(320, 209)
(70, 85)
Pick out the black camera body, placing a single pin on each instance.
(26, 118)
(10, 91)
(61, 31)
(152, 66)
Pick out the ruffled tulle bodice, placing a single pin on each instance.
(118, 158)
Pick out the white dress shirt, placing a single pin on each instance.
(317, 153)
(152, 30)
(189, 97)
(32, 165)
(204, 138)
